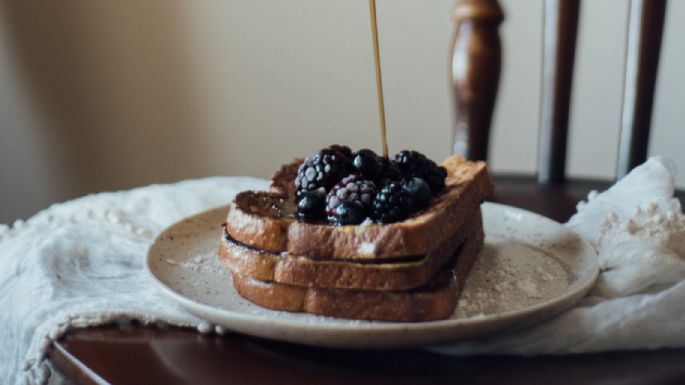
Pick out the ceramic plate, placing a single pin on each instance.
(530, 269)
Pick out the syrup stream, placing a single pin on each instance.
(379, 80)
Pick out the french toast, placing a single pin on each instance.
(307, 272)
(434, 301)
(358, 236)
(267, 221)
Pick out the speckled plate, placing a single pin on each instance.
(530, 269)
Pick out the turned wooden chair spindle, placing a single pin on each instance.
(475, 74)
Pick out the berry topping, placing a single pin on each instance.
(352, 188)
(367, 163)
(389, 172)
(344, 150)
(415, 164)
(419, 190)
(393, 203)
(311, 205)
(349, 213)
(348, 187)
(323, 169)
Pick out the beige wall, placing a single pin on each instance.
(109, 95)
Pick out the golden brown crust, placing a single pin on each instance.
(304, 271)
(467, 184)
(435, 301)
(257, 219)
(414, 236)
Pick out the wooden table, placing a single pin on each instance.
(147, 355)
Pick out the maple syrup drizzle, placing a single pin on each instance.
(379, 80)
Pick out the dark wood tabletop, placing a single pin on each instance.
(149, 355)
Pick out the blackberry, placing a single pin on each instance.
(389, 172)
(323, 169)
(344, 150)
(415, 164)
(352, 188)
(393, 203)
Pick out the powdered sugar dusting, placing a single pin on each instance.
(367, 248)
(206, 263)
(521, 265)
(510, 276)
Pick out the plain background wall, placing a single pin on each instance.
(99, 96)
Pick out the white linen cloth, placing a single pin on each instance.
(638, 302)
(80, 263)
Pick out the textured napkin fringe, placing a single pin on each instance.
(638, 229)
(80, 264)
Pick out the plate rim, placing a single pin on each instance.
(206, 310)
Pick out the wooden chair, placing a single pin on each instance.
(476, 62)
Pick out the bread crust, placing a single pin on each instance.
(467, 184)
(435, 301)
(385, 276)
(252, 220)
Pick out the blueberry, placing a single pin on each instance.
(311, 204)
(349, 213)
(419, 190)
(367, 163)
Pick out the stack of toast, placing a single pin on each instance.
(408, 271)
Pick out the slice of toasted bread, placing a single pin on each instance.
(437, 300)
(266, 221)
(304, 271)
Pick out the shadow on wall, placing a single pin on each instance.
(115, 83)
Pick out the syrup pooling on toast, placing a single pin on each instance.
(266, 204)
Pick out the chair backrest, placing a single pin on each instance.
(476, 61)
